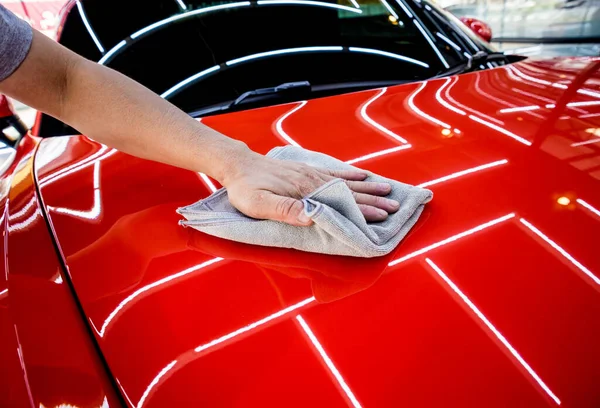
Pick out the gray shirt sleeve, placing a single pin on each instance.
(15, 41)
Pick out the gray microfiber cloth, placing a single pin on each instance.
(339, 227)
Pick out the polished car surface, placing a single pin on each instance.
(492, 300)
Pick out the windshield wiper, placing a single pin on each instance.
(480, 57)
(283, 88)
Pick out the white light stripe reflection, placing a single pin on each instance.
(189, 80)
(493, 329)
(279, 125)
(112, 52)
(254, 325)
(438, 96)
(96, 210)
(550, 106)
(452, 239)
(380, 153)
(78, 167)
(367, 118)
(389, 9)
(313, 339)
(154, 382)
(284, 51)
(463, 173)
(4, 292)
(208, 182)
(89, 27)
(560, 250)
(430, 41)
(154, 26)
(312, 3)
(586, 103)
(75, 165)
(519, 109)
(411, 104)
(23, 210)
(448, 41)
(586, 142)
(501, 130)
(404, 8)
(182, 4)
(588, 206)
(153, 285)
(388, 54)
(355, 3)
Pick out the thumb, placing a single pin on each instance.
(284, 209)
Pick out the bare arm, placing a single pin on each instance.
(117, 111)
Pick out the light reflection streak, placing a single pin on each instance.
(284, 51)
(112, 52)
(4, 292)
(438, 96)
(367, 118)
(448, 41)
(96, 210)
(501, 101)
(453, 238)
(413, 107)
(355, 9)
(155, 381)
(404, 8)
(587, 142)
(561, 251)
(585, 103)
(466, 108)
(208, 182)
(315, 342)
(254, 325)
(430, 41)
(182, 5)
(88, 27)
(589, 206)
(463, 173)
(76, 167)
(493, 329)
(377, 154)
(24, 224)
(520, 109)
(189, 80)
(501, 130)
(279, 124)
(23, 210)
(389, 9)
(151, 286)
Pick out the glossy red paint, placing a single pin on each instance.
(492, 300)
(480, 28)
(46, 352)
(5, 107)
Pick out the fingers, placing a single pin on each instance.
(367, 187)
(267, 205)
(372, 213)
(355, 175)
(389, 206)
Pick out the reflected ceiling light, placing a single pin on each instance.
(550, 106)
(448, 41)
(96, 210)
(283, 51)
(182, 5)
(430, 41)
(391, 11)
(438, 96)
(588, 93)
(88, 27)
(153, 285)
(112, 52)
(380, 153)
(457, 131)
(160, 23)
(404, 8)
(355, 9)
(332, 368)
(588, 206)
(4, 292)
(279, 125)
(563, 200)
(463, 173)
(185, 82)
(492, 328)
(501, 130)
(355, 3)
(560, 86)
(520, 109)
(586, 142)
(155, 382)
(254, 325)
(393, 20)
(586, 103)
(561, 251)
(453, 238)
(413, 107)
(367, 118)
(208, 182)
(23, 210)
(388, 54)
(446, 132)
(101, 154)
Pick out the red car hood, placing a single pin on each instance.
(492, 300)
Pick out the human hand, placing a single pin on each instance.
(266, 188)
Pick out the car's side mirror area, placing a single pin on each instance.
(480, 28)
(12, 127)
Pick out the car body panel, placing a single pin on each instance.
(47, 356)
(491, 300)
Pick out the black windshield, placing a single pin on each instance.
(200, 54)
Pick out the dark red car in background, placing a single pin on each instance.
(492, 300)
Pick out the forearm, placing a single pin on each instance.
(112, 109)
